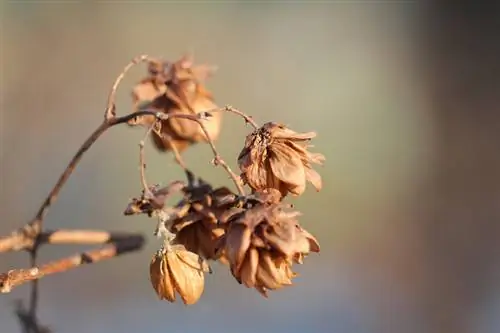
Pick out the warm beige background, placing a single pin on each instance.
(349, 71)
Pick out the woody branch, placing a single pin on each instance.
(119, 243)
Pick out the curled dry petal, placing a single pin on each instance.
(198, 227)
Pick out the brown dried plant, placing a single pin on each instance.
(256, 234)
(176, 87)
(276, 157)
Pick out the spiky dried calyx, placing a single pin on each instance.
(262, 242)
(176, 87)
(176, 270)
(276, 157)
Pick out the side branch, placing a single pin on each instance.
(121, 244)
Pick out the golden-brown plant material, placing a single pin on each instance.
(176, 87)
(195, 219)
(174, 269)
(261, 242)
(153, 199)
(276, 157)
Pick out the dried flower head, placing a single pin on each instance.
(175, 269)
(195, 218)
(261, 243)
(277, 157)
(176, 87)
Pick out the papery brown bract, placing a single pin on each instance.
(277, 157)
(261, 244)
(176, 270)
(177, 88)
(195, 219)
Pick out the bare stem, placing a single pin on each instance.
(217, 158)
(142, 162)
(248, 119)
(14, 278)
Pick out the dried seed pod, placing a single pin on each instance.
(177, 270)
(277, 157)
(177, 88)
(262, 242)
(196, 218)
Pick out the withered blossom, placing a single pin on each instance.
(195, 219)
(262, 242)
(176, 270)
(276, 157)
(176, 87)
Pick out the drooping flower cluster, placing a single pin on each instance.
(257, 235)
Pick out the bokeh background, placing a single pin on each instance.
(403, 95)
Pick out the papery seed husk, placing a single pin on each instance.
(161, 278)
(189, 282)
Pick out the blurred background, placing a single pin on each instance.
(403, 95)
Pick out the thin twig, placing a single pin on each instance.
(16, 277)
(228, 108)
(217, 158)
(142, 162)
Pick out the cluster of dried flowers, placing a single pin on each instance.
(258, 234)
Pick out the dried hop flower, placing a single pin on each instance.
(175, 269)
(195, 219)
(277, 157)
(176, 88)
(261, 244)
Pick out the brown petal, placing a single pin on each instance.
(314, 177)
(286, 165)
(189, 219)
(313, 242)
(316, 158)
(187, 238)
(279, 131)
(193, 260)
(249, 268)
(267, 264)
(189, 282)
(256, 176)
(286, 247)
(257, 242)
(265, 279)
(237, 244)
(205, 241)
(285, 273)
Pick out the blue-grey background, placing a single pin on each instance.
(353, 71)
